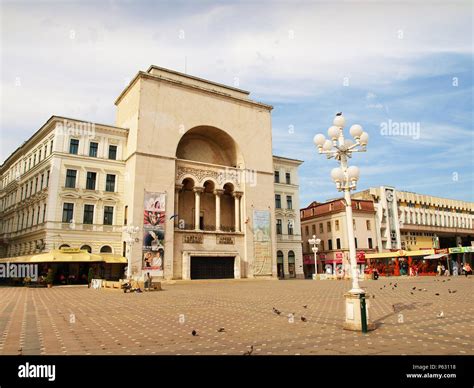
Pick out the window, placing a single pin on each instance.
(74, 146)
(112, 152)
(290, 227)
(90, 183)
(277, 176)
(313, 229)
(370, 243)
(87, 248)
(47, 179)
(336, 225)
(321, 228)
(291, 264)
(38, 215)
(44, 213)
(368, 224)
(288, 178)
(106, 249)
(42, 181)
(88, 214)
(71, 178)
(34, 160)
(39, 157)
(289, 202)
(125, 216)
(278, 201)
(68, 212)
(306, 229)
(108, 215)
(354, 223)
(322, 245)
(36, 184)
(110, 183)
(355, 240)
(338, 243)
(51, 147)
(328, 226)
(93, 146)
(330, 245)
(45, 150)
(279, 231)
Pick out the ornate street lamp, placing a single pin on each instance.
(315, 242)
(346, 178)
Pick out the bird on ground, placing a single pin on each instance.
(414, 288)
(277, 311)
(424, 289)
(395, 285)
(194, 333)
(453, 291)
(449, 280)
(305, 306)
(449, 290)
(440, 315)
(390, 283)
(249, 352)
(411, 292)
(380, 287)
(437, 294)
(221, 330)
(303, 319)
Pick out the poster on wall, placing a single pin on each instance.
(154, 217)
(262, 242)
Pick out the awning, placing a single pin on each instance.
(399, 253)
(66, 256)
(436, 256)
(113, 259)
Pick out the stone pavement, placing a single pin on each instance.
(78, 320)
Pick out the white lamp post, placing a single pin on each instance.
(346, 178)
(131, 231)
(315, 242)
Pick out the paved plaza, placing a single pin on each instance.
(78, 320)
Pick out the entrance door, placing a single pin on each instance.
(212, 267)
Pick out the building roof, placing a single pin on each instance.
(295, 161)
(43, 127)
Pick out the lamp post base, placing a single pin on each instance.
(356, 307)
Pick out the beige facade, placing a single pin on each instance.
(327, 221)
(34, 191)
(204, 147)
(289, 248)
(412, 221)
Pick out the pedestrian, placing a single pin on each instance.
(439, 269)
(90, 276)
(467, 269)
(148, 280)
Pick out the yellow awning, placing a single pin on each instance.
(112, 259)
(57, 256)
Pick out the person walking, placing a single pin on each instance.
(148, 280)
(467, 269)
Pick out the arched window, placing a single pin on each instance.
(64, 246)
(106, 249)
(87, 248)
(280, 267)
(291, 264)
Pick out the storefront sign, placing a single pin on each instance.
(444, 251)
(228, 240)
(193, 239)
(461, 250)
(339, 255)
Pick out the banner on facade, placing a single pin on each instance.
(154, 217)
(262, 242)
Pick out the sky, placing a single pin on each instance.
(383, 64)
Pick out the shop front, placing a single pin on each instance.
(72, 266)
(402, 263)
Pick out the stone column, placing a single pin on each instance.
(237, 195)
(178, 188)
(218, 193)
(197, 206)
